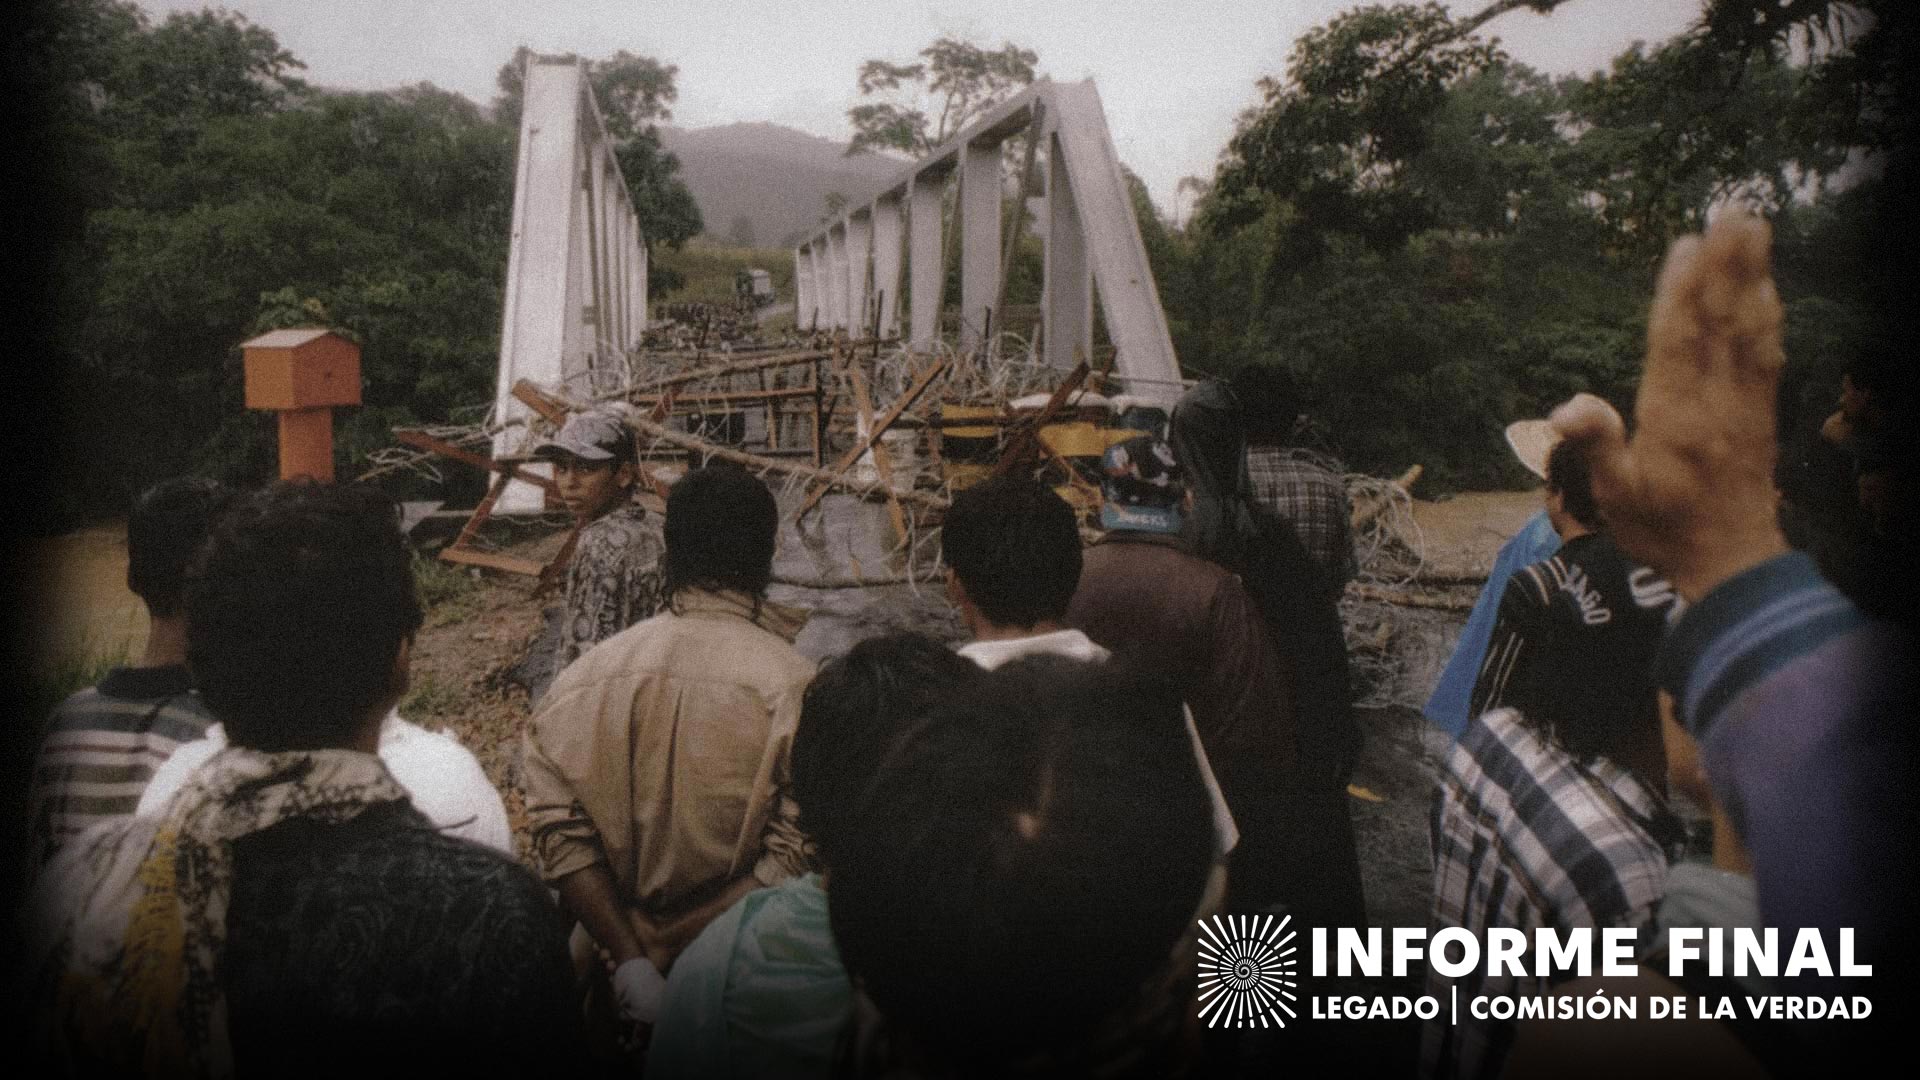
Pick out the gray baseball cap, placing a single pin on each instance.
(595, 435)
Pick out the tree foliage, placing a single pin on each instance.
(936, 96)
(215, 195)
(1438, 240)
(634, 94)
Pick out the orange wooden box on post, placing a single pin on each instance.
(303, 375)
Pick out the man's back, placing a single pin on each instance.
(102, 746)
(663, 747)
(1184, 620)
(1526, 836)
(1186, 623)
(381, 940)
(1575, 637)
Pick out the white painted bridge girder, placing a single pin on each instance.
(576, 290)
(1092, 244)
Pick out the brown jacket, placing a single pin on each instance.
(1189, 623)
(662, 752)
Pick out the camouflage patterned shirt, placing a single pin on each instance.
(612, 582)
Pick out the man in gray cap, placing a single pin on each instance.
(613, 580)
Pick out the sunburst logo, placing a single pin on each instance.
(1247, 971)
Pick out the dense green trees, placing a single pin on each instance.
(217, 195)
(1438, 240)
(1435, 238)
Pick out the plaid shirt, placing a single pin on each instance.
(1525, 836)
(1313, 499)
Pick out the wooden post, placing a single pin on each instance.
(302, 375)
(861, 446)
(306, 444)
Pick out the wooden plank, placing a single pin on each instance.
(882, 464)
(492, 561)
(481, 512)
(556, 567)
(420, 440)
(819, 420)
(731, 367)
(552, 411)
(880, 426)
(1408, 598)
(1028, 436)
(923, 500)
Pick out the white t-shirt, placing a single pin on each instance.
(444, 779)
(1075, 645)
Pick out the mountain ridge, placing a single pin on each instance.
(765, 184)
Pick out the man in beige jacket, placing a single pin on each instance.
(656, 763)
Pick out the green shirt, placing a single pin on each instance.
(761, 991)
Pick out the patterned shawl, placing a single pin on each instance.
(128, 926)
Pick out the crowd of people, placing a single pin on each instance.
(918, 859)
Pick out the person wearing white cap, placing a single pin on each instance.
(1447, 708)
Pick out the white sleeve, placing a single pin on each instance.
(173, 773)
(447, 784)
(1226, 835)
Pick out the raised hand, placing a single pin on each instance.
(1692, 495)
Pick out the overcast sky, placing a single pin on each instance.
(1173, 74)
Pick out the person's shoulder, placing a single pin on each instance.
(769, 653)
(1535, 584)
(77, 709)
(622, 531)
(787, 668)
(624, 655)
(1499, 748)
(406, 737)
(399, 842)
(181, 716)
(407, 747)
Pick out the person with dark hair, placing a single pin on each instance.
(290, 912)
(1189, 624)
(1848, 492)
(1299, 487)
(762, 991)
(722, 538)
(655, 766)
(103, 744)
(1024, 896)
(1550, 809)
(1574, 641)
(1012, 549)
(613, 578)
(1013, 556)
(1301, 610)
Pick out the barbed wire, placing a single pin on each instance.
(1396, 646)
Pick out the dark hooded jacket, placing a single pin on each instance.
(1293, 593)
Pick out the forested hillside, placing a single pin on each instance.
(1434, 238)
(1437, 240)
